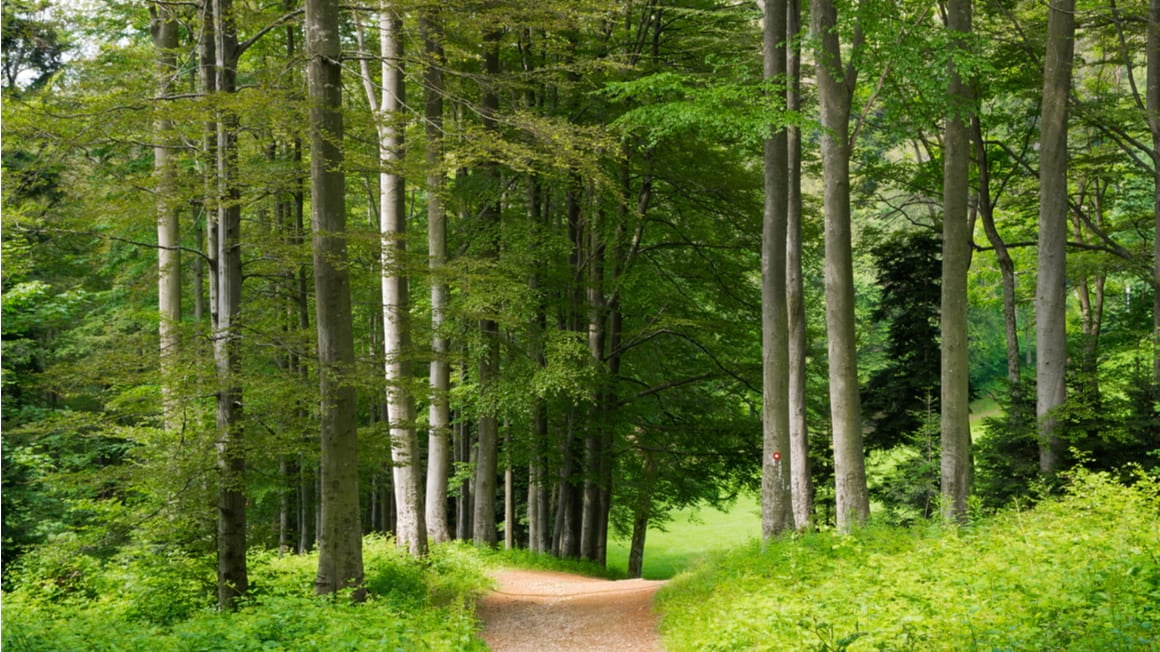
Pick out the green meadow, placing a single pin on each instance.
(691, 535)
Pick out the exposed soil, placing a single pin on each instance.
(539, 611)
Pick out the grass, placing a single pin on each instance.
(150, 604)
(1080, 572)
(690, 536)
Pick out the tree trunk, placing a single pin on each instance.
(641, 514)
(776, 500)
(1006, 264)
(340, 533)
(835, 91)
(487, 462)
(1051, 286)
(439, 413)
(465, 505)
(567, 531)
(801, 486)
(232, 576)
(411, 530)
(955, 377)
(509, 493)
(595, 426)
(164, 27)
(539, 531)
(1152, 94)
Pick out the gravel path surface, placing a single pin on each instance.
(539, 611)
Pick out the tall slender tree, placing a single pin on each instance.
(439, 412)
(776, 501)
(410, 528)
(1051, 283)
(1152, 102)
(226, 306)
(487, 461)
(801, 484)
(956, 260)
(835, 91)
(340, 562)
(164, 27)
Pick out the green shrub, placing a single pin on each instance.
(1080, 572)
(157, 600)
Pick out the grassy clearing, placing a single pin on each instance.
(1078, 573)
(691, 535)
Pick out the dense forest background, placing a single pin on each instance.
(549, 271)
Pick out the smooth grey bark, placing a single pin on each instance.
(1051, 280)
(801, 486)
(1152, 101)
(226, 291)
(411, 531)
(595, 424)
(340, 563)
(955, 399)
(164, 28)
(835, 91)
(776, 501)
(1006, 264)
(642, 512)
(487, 456)
(439, 411)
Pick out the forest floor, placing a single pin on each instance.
(542, 611)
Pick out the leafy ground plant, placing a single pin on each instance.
(412, 604)
(1081, 572)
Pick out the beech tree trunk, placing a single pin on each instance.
(1006, 264)
(164, 27)
(776, 501)
(487, 460)
(439, 412)
(1051, 286)
(801, 486)
(956, 261)
(411, 531)
(835, 90)
(233, 581)
(641, 514)
(1152, 93)
(340, 563)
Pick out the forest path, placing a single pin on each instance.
(541, 611)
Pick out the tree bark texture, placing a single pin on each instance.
(801, 486)
(1006, 264)
(411, 531)
(1051, 286)
(956, 261)
(1152, 101)
(776, 501)
(232, 574)
(487, 461)
(439, 411)
(835, 89)
(164, 28)
(340, 563)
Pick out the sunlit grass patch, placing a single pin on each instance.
(1078, 573)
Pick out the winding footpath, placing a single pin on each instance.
(540, 611)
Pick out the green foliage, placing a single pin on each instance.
(526, 559)
(1079, 572)
(1007, 455)
(896, 396)
(158, 599)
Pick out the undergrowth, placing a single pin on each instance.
(1080, 572)
(143, 600)
(524, 559)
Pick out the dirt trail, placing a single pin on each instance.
(539, 611)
